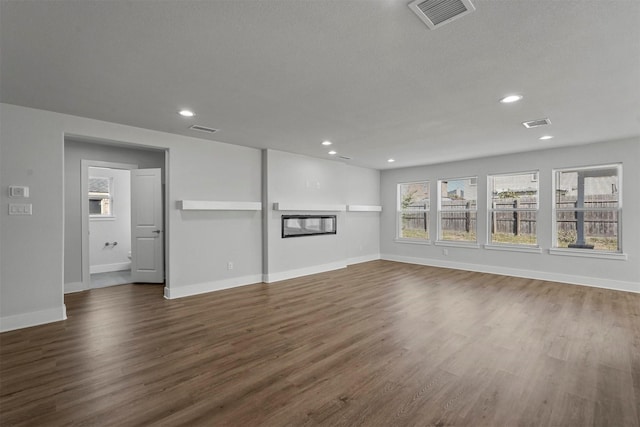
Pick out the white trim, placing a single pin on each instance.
(33, 318)
(364, 208)
(107, 268)
(205, 287)
(206, 205)
(514, 248)
(278, 206)
(70, 288)
(102, 218)
(595, 282)
(455, 244)
(364, 258)
(588, 253)
(412, 241)
(299, 272)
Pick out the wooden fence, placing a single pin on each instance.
(514, 222)
(596, 223)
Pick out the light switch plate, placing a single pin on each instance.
(20, 209)
(18, 191)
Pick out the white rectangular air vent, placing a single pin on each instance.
(203, 129)
(436, 13)
(536, 123)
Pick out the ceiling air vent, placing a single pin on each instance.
(344, 157)
(536, 123)
(436, 13)
(203, 129)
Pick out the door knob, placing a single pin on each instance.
(157, 231)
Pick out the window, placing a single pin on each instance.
(457, 209)
(413, 211)
(100, 197)
(513, 209)
(587, 208)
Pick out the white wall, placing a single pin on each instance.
(305, 180)
(116, 229)
(200, 243)
(610, 273)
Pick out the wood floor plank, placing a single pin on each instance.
(378, 343)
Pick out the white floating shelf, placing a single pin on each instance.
(364, 208)
(203, 205)
(277, 206)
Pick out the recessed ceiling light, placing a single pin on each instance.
(511, 98)
(333, 152)
(327, 142)
(186, 113)
(391, 160)
(545, 137)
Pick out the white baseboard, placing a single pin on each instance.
(74, 287)
(107, 268)
(364, 258)
(595, 282)
(202, 288)
(33, 318)
(299, 272)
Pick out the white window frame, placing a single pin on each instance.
(400, 212)
(491, 210)
(580, 252)
(462, 243)
(109, 196)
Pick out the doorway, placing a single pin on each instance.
(106, 222)
(109, 206)
(95, 255)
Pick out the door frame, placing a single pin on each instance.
(85, 164)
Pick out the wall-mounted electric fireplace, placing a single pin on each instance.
(308, 225)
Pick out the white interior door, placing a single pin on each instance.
(147, 240)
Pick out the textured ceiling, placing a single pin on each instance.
(368, 75)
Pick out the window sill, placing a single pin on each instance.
(102, 218)
(470, 245)
(514, 248)
(587, 253)
(413, 242)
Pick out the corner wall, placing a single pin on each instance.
(606, 273)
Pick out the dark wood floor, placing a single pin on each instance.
(376, 344)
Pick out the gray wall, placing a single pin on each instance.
(362, 187)
(614, 273)
(74, 152)
(305, 180)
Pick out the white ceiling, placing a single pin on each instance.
(367, 74)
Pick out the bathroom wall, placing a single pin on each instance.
(114, 229)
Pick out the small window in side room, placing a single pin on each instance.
(413, 211)
(100, 197)
(588, 209)
(457, 210)
(513, 209)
